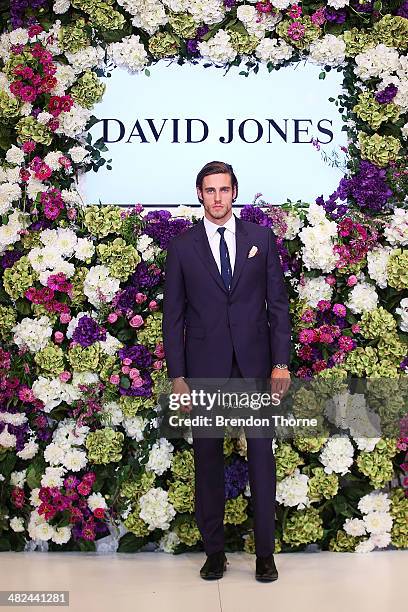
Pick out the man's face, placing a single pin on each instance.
(217, 195)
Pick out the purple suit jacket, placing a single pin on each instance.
(203, 323)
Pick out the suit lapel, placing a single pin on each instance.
(204, 251)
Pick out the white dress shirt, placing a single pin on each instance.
(214, 238)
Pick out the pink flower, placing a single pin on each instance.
(157, 365)
(58, 337)
(355, 328)
(127, 361)
(64, 161)
(112, 318)
(136, 321)
(295, 11)
(308, 316)
(330, 280)
(65, 318)
(65, 376)
(346, 343)
(296, 30)
(83, 488)
(159, 351)
(134, 373)
(308, 336)
(319, 365)
(318, 18)
(125, 369)
(339, 310)
(140, 298)
(137, 382)
(28, 146)
(114, 379)
(323, 305)
(25, 394)
(43, 173)
(34, 30)
(71, 214)
(352, 280)
(99, 513)
(153, 305)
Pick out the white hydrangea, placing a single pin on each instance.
(134, 427)
(78, 154)
(396, 230)
(33, 333)
(44, 117)
(363, 298)
(317, 252)
(282, 4)
(377, 260)
(129, 53)
(313, 290)
(29, 450)
(402, 310)
(337, 455)
(17, 479)
(73, 122)
(155, 509)
(293, 490)
(10, 232)
(293, 225)
(112, 414)
(7, 439)
(53, 391)
(34, 187)
(71, 197)
(17, 524)
(9, 193)
(374, 502)
(99, 286)
(13, 418)
(272, 50)
(148, 15)
(15, 155)
(404, 131)
(61, 6)
(168, 542)
(65, 76)
(329, 50)
(401, 97)
(69, 433)
(160, 456)
(207, 11)
(218, 49)
(88, 57)
(376, 62)
(338, 4)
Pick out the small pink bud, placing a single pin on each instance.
(65, 317)
(153, 305)
(112, 317)
(136, 321)
(58, 337)
(352, 280)
(140, 298)
(114, 379)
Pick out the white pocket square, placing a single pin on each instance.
(253, 251)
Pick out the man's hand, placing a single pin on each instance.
(180, 387)
(280, 381)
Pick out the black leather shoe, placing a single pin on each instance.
(214, 567)
(265, 569)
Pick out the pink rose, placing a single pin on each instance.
(137, 382)
(157, 364)
(127, 361)
(136, 321)
(153, 305)
(65, 317)
(112, 317)
(140, 298)
(114, 379)
(65, 376)
(134, 373)
(352, 280)
(58, 337)
(125, 369)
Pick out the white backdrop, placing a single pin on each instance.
(163, 172)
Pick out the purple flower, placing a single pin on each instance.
(143, 278)
(138, 353)
(236, 478)
(87, 332)
(192, 46)
(386, 95)
(403, 10)
(229, 3)
(366, 7)
(9, 258)
(335, 16)
(18, 9)
(254, 214)
(161, 227)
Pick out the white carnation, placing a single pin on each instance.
(156, 510)
(377, 260)
(15, 155)
(337, 455)
(314, 289)
(33, 333)
(363, 298)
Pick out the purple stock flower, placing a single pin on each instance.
(18, 9)
(143, 278)
(192, 46)
(161, 227)
(9, 258)
(386, 95)
(402, 11)
(229, 3)
(335, 16)
(365, 7)
(254, 214)
(88, 331)
(138, 353)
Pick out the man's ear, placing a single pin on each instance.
(234, 197)
(199, 194)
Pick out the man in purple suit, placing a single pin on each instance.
(226, 316)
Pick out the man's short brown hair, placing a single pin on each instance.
(217, 167)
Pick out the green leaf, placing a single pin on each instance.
(130, 543)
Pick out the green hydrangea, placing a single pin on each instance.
(101, 14)
(384, 369)
(163, 44)
(287, 460)
(119, 257)
(362, 361)
(104, 445)
(19, 278)
(376, 322)
(134, 489)
(392, 31)
(399, 513)
(15, 59)
(28, 128)
(77, 282)
(357, 41)
(39, 310)
(151, 332)
(50, 360)
(322, 485)
(343, 542)
(228, 446)
(86, 358)
(249, 544)
(374, 113)
(135, 524)
(31, 240)
(312, 32)
(8, 320)
(307, 404)
(181, 495)
(391, 349)
(73, 37)
(309, 445)
(379, 150)
(235, 510)
(377, 464)
(182, 465)
(130, 406)
(187, 531)
(243, 43)
(303, 527)
(103, 220)
(397, 270)
(108, 364)
(183, 25)
(9, 106)
(88, 90)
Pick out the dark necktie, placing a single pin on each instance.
(226, 272)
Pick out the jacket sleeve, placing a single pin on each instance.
(174, 298)
(277, 306)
